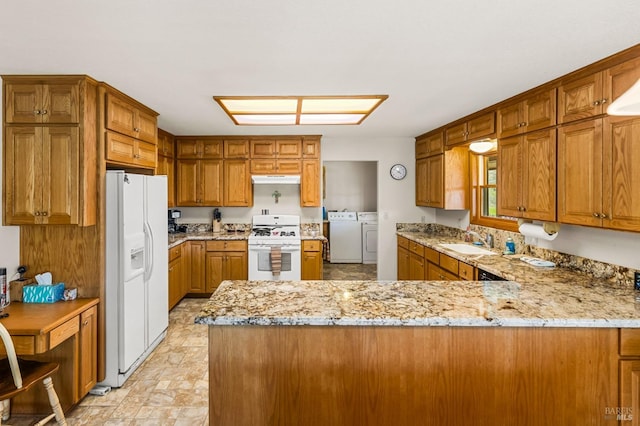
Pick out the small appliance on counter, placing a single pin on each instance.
(172, 225)
(217, 218)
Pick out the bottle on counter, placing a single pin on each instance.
(510, 246)
(4, 289)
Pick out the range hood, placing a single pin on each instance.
(276, 179)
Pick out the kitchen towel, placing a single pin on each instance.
(276, 260)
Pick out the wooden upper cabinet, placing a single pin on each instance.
(581, 98)
(128, 151)
(533, 113)
(237, 184)
(282, 167)
(527, 176)
(442, 180)
(591, 95)
(310, 184)
(165, 143)
(236, 148)
(124, 117)
(428, 145)
(310, 147)
(276, 148)
(597, 181)
(199, 148)
(580, 173)
(482, 126)
(42, 176)
(199, 183)
(42, 103)
(621, 156)
(289, 148)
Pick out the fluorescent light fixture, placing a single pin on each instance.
(295, 110)
(331, 118)
(482, 146)
(628, 103)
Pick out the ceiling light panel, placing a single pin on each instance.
(293, 110)
(333, 105)
(265, 119)
(260, 106)
(331, 118)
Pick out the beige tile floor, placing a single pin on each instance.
(169, 388)
(349, 271)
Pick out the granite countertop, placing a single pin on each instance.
(421, 303)
(179, 238)
(509, 267)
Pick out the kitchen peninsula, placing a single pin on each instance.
(418, 352)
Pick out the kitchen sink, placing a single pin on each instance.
(467, 249)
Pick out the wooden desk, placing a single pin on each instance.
(63, 332)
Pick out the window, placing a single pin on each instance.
(484, 193)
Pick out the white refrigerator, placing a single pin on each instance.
(136, 300)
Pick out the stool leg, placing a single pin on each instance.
(5, 410)
(55, 403)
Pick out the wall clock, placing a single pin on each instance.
(398, 171)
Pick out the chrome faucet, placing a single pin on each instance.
(488, 242)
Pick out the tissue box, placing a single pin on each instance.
(42, 293)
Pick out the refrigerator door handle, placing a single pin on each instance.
(149, 248)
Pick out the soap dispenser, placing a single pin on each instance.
(510, 246)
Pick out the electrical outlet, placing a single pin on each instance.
(636, 280)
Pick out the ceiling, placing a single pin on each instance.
(437, 61)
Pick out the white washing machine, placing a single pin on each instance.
(369, 223)
(345, 241)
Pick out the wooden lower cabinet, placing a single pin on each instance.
(431, 376)
(629, 406)
(403, 259)
(196, 267)
(176, 275)
(418, 262)
(88, 369)
(225, 260)
(311, 260)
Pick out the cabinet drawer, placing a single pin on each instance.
(312, 245)
(24, 345)
(226, 245)
(449, 263)
(175, 252)
(403, 242)
(432, 255)
(416, 248)
(629, 342)
(465, 271)
(63, 332)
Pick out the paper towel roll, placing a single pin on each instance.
(536, 231)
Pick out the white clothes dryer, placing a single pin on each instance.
(369, 223)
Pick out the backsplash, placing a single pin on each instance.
(208, 227)
(605, 271)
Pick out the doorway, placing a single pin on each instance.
(350, 186)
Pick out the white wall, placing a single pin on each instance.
(9, 235)
(619, 248)
(351, 185)
(396, 199)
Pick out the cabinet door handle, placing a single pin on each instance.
(85, 323)
(603, 216)
(45, 213)
(603, 101)
(36, 213)
(36, 112)
(524, 123)
(596, 103)
(44, 111)
(136, 129)
(596, 215)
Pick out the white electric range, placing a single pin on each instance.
(269, 231)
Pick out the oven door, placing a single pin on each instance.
(260, 263)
